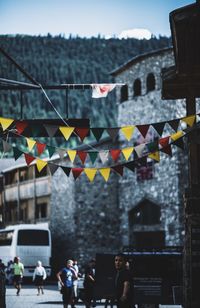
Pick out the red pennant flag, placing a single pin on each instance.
(115, 154)
(167, 149)
(81, 132)
(143, 129)
(20, 126)
(164, 141)
(119, 169)
(28, 158)
(82, 155)
(40, 147)
(76, 172)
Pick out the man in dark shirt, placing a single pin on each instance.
(123, 283)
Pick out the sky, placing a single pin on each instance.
(86, 18)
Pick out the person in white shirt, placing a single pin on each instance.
(39, 276)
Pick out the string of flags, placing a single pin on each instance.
(82, 132)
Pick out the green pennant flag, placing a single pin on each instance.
(93, 156)
(51, 150)
(17, 153)
(97, 132)
(152, 146)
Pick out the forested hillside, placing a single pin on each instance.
(55, 60)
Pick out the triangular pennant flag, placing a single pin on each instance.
(179, 143)
(105, 172)
(115, 153)
(97, 132)
(76, 172)
(152, 146)
(174, 124)
(28, 158)
(66, 170)
(5, 123)
(189, 120)
(66, 131)
(139, 149)
(127, 152)
(177, 135)
(118, 169)
(155, 156)
(40, 164)
(159, 127)
(164, 141)
(52, 168)
(113, 132)
(143, 129)
(51, 130)
(128, 131)
(90, 172)
(130, 165)
(61, 153)
(20, 126)
(82, 156)
(93, 156)
(51, 150)
(40, 147)
(101, 90)
(17, 153)
(167, 149)
(36, 130)
(30, 143)
(6, 146)
(104, 156)
(71, 154)
(82, 132)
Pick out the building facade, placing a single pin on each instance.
(142, 209)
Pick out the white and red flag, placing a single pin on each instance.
(101, 90)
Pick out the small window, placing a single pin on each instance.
(151, 83)
(124, 93)
(137, 87)
(146, 213)
(41, 210)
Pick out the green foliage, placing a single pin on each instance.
(56, 60)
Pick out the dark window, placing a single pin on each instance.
(137, 87)
(124, 93)
(146, 213)
(149, 239)
(33, 238)
(6, 238)
(151, 83)
(41, 210)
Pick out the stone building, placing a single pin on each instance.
(142, 208)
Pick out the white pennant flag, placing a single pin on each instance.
(101, 90)
(104, 156)
(139, 149)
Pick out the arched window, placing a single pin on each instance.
(145, 213)
(137, 87)
(151, 83)
(124, 93)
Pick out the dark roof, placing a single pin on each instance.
(138, 58)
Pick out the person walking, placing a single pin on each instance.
(39, 276)
(75, 281)
(18, 270)
(123, 283)
(89, 284)
(66, 276)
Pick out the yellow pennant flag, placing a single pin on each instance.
(30, 143)
(90, 172)
(177, 135)
(5, 123)
(155, 156)
(72, 155)
(189, 120)
(127, 152)
(40, 164)
(128, 131)
(66, 131)
(105, 172)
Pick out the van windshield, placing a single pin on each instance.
(33, 238)
(6, 238)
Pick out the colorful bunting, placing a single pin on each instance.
(128, 131)
(177, 135)
(30, 143)
(155, 156)
(104, 156)
(167, 150)
(189, 120)
(115, 154)
(97, 132)
(113, 132)
(143, 129)
(81, 132)
(159, 127)
(66, 131)
(127, 152)
(77, 172)
(179, 143)
(40, 147)
(40, 164)
(82, 156)
(93, 156)
(164, 142)
(71, 154)
(52, 168)
(66, 170)
(61, 153)
(51, 130)
(5, 123)
(28, 158)
(130, 165)
(174, 124)
(105, 172)
(51, 150)
(118, 169)
(17, 153)
(90, 172)
(139, 149)
(20, 126)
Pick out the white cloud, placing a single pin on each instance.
(137, 33)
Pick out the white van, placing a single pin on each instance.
(30, 242)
